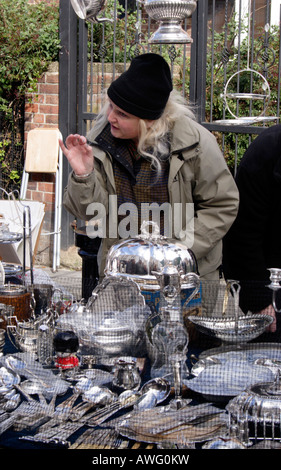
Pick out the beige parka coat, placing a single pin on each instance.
(198, 174)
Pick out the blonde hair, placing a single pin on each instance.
(153, 141)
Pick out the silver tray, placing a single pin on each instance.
(249, 355)
(242, 121)
(231, 329)
(224, 381)
(170, 427)
(274, 349)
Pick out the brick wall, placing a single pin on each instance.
(42, 110)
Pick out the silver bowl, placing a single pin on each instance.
(232, 329)
(161, 10)
(138, 258)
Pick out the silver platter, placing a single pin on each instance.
(250, 356)
(265, 350)
(228, 380)
(245, 120)
(229, 329)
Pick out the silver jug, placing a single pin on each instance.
(126, 375)
(89, 9)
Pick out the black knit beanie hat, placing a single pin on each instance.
(143, 90)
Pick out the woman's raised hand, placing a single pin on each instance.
(78, 153)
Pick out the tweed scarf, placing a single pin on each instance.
(136, 182)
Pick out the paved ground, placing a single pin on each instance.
(67, 279)
(61, 273)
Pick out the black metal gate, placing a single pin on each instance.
(230, 73)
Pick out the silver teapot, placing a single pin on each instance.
(89, 9)
(23, 335)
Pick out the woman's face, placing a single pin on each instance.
(123, 125)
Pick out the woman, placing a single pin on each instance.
(146, 148)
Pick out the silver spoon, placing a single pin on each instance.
(81, 386)
(153, 392)
(129, 398)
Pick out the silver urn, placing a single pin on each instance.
(170, 14)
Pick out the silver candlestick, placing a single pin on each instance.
(275, 278)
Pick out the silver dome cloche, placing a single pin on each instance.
(141, 257)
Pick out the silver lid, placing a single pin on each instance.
(138, 258)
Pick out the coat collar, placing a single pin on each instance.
(185, 136)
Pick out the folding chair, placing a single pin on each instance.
(43, 155)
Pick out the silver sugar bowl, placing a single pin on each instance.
(126, 374)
